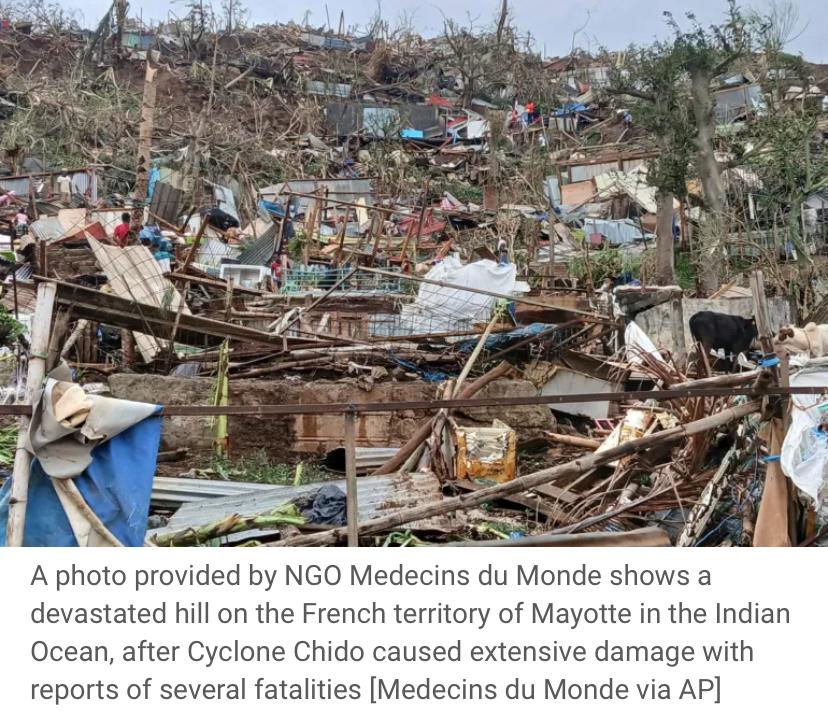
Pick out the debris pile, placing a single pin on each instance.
(296, 287)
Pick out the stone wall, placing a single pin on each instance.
(658, 322)
(282, 436)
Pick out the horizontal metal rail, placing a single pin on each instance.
(276, 410)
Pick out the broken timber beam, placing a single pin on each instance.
(528, 482)
(104, 308)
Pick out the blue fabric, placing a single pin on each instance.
(154, 177)
(151, 233)
(272, 208)
(505, 338)
(117, 486)
(426, 374)
(569, 108)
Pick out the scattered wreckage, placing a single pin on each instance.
(397, 349)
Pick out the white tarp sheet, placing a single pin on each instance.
(439, 309)
(804, 455)
(636, 343)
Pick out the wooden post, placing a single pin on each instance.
(194, 248)
(145, 129)
(283, 226)
(677, 319)
(41, 326)
(351, 503)
(127, 348)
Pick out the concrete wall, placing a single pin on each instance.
(282, 436)
(657, 322)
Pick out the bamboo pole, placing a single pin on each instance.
(522, 484)
(725, 380)
(574, 441)
(41, 326)
(351, 502)
(196, 243)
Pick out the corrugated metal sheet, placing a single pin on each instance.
(584, 173)
(84, 183)
(261, 250)
(19, 186)
(166, 202)
(176, 491)
(134, 274)
(342, 189)
(320, 87)
(225, 200)
(47, 228)
(377, 496)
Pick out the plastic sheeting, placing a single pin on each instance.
(804, 456)
(439, 309)
(636, 343)
(117, 485)
(619, 233)
(507, 338)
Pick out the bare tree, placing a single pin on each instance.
(234, 15)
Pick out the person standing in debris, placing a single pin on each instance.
(64, 184)
(21, 224)
(502, 252)
(628, 120)
(121, 234)
(276, 271)
(7, 198)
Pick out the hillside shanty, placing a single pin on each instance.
(282, 285)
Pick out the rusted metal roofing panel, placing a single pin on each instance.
(377, 496)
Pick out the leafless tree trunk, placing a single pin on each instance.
(714, 228)
(501, 23)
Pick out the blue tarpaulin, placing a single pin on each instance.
(506, 338)
(154, 177)
(117, 486)
(569, 109)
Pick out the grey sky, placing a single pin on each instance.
(612, 23)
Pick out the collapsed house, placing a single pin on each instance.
(359, 330)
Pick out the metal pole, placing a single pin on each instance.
(351, 504)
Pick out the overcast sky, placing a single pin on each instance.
(611, 23)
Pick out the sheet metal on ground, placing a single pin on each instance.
(134, 274)
(377, 496)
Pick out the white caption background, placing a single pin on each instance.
(786, 675)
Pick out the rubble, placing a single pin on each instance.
(321, 253)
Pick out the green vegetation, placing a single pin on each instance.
(258, 467)
(8, 445)
(609, 262)
(10, 328)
